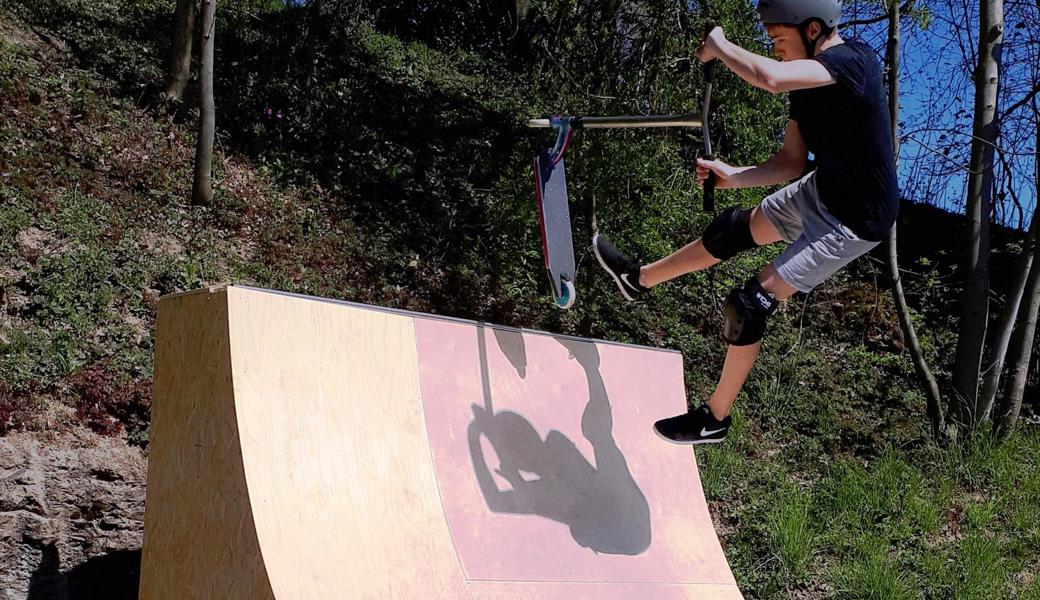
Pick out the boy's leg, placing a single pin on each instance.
(733, 230)
(695, 257)
(778, 217)
(740, 359)
(825, 247)
(820, 249)
(709, 423)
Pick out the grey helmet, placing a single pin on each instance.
(797, 12)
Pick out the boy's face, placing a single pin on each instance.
(787, 43)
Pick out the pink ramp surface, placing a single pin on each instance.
(549, 470)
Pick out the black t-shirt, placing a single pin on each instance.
(847, 128)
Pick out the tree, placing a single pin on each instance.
(1006, 327)
(924, 374)
(202, 192)
(180, 51)
(968, 409)
(1008, 409)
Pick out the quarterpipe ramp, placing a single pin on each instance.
(305, 448)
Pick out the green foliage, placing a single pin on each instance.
(1033, 591)
(37, 357)
(897, 527)
(13, 217)
(7, 65)
(117, 37)
(72, 289)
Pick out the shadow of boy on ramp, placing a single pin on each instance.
(602, 504)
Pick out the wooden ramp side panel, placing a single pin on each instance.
(199, 540)
(340, 474)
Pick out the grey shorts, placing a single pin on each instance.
(820, 244)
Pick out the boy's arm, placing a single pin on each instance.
(782, 167)
(771, 75)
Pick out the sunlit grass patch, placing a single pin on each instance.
(790, 527)
(871, 573)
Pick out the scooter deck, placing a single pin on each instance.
(555, 217)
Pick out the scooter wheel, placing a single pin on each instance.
(566, 300)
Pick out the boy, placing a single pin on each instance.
(834, 214)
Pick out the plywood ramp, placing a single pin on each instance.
(304, 448)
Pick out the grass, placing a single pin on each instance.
(959, 524)
(792, 533)
(871, 573)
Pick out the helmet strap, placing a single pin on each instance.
(810, 45)
(803, 31)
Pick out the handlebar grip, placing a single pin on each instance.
(709, 199)
(709, 188)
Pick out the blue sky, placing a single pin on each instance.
(937, 99)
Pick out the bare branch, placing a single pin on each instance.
(902, 9)
(1026, 100)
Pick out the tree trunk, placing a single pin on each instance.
(1008, 318)
(315, 42)
(202, 192)
(1007, 411)
(180, 51)
(924, 374)
(1021, 354)
(968, 408)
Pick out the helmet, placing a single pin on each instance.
(797, 12)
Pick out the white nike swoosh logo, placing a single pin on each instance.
(705, 432)
(624, 277)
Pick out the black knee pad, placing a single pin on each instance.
(747, 310)
(729, 234)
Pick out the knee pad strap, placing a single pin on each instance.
(747, 310)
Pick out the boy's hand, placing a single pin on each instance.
(709, 49)
(722, 172)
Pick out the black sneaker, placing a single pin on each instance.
(623, 269)
(698, 426)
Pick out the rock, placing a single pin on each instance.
(161, 244)
(71, 508)
(151, 298)
(111, 523)
(40, 531)
(105, 474)
(36, 504)
(31, 243)
(26, 478)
